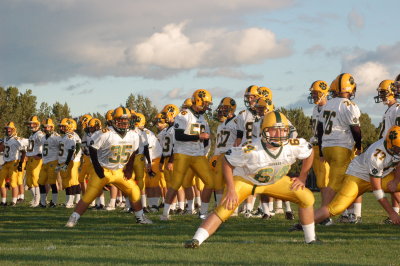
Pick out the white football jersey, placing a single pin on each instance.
(35, 143)
(155, 149)
(390, 118)
(12, 148)
(192, 125)
(245, 123)
(167, 139)
(375, 161)
(314, 123)
(85, 142)
(114, 151)
(337, 115)
(25, 143)
(69, 142)
(264, 167)
(226, 136)
(51, 147)
(143, 139)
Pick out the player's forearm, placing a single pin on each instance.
(95, 161)
(181, 136)
(306, 166)
(69, 156)
(356, 132)
(147, 153)
(227, 169)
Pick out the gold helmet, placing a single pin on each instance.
(159, 121)
(343, 83)
(33, 123)
(10, 129)
(121, 119)
(83, 120)
(170, 111)
(397, 86)
(319, 90)
(251, 94)
(275, 129)
(48, 125)
(187, 103)
(202, 98)
(67, 125)
(140, 120)
(392, 141)
(109, 117)
(94, 124)
(263, 106)
(265, 93)
(226, 107)
(386, 91)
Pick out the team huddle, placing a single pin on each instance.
(173, 169)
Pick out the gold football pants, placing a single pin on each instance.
(338, 159)
(138, 170)
(70, 176)
(9, 170)
(33, 167)
(48, 174)
(321, 169)
(86, 169)
(216, 165)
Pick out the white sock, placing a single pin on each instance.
(198, 200)
(287, 206)
(143, 200)
(37, 194)
(98, 201)
(112, 203)
(70, 200)
(167, 208)
(173, 206)
(279, 204)
(3, 200)
(33, 191)
(204, 208)
(219, 197)
(76, 215)
(139, 214)
(14, 200)
(67, 199)
(181, 205)
(265, 208)
(102, 201)
(396, 209)
(201, 235)
(357, 209)
(54, 198)
(190, 205)
(309, 232)
(43, 199)
(77, 197)
(21, 196)
(271, 205)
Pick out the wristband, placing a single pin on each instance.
(379, 194)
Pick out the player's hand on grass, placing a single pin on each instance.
(297, 184)
(230, 201)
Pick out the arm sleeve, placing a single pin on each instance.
(356, 132)
(181, 136)
(95, 161)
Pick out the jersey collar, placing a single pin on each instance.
(270, 153)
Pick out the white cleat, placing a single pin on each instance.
(110, 208)
(203, 216)
(164, 218)
(143, 220)
(69, 206)
(72, 221)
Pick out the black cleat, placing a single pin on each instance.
(289, 215)
(295, 227)
(42, 206)
(266, 217)
(194, 243)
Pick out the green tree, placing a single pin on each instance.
(143, 105)
(60, 111)
(368, 131)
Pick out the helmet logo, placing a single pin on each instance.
(201, 94)
(323, 86)
(393, 135)
(351, 80)
(265, 93)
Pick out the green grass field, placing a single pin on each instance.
(37, 236)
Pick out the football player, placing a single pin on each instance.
(192, 135)
(376, 169)
(319, 91)
(69, 160)
(387, 95)
(34, 154)
(86, 164)
(48, 174)
(14, 156)
(113, 148)
(339, 133)
(261, 167)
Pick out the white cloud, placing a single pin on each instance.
(368, 76)
(229, 73)
(355, 21)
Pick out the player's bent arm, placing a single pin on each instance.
(239, 135)
(300, 181)
(95, 161)
(69, 156)
(376, 184)
(320, 133)
(356, 132)
(230, 201)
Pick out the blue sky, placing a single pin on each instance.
(93, 54)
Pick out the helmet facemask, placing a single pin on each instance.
(121, 124)
(276, 136)
(10, 132)
(250, 100)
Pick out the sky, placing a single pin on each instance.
(93, 54)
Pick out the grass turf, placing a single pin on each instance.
(37, 236)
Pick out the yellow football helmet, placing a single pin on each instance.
(48, 125)
(392, 141)
(319, 90)
(386, 91)
(343, 83)
(170, 111)
(187, 103)
(109, 117)
(250, 96)
(265, 93)
(121, 119)
(159, 121)
(67, 125)
(83, 120)
(94, 124)
(226, 108)
(203, 99)
(397, 86)
(140, 120)
(10, 129)
(33, 123)
(263, 106)
(275, 129)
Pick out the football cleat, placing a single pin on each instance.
(327, 222)
(257, 213)
(42, 206)
(203, 216)
(289, 215)
(110, 208)
(100, 207)
(279, 211)
(353, 219)
(13, 204)
(193, 243)
(295, 227)
(165, 218)
(143, 220)
(52, 205)
(388, 221)
(247, 214)
(72, 221)
(343, 219)
(4, 204)
(272, 213)
(35, 204)
(188, 212)
(315, 242)
(146, 210)
(266, 217)
(154, 209)
(20, 200)
(69, 206)
(179, 211)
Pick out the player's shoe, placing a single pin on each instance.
(188, 212)
(353, 219)
(279, 211)
(20, 201)
(343, 219)
(69, 206)
(257, 213)
(327, 222)
(179, 211)
(3, 204)
(388, 221)
(100, 207)
(42, 206)
(247, 214)
(164, 217)
(35, 204)
(110, 208)
(52, 205)
(154, 209)
(193, 243)
(266, 217)
(272, 213)
(289, 215)
(72, 221)
(295, 227)
(143, 220)
(315, 242)
(203, 216)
